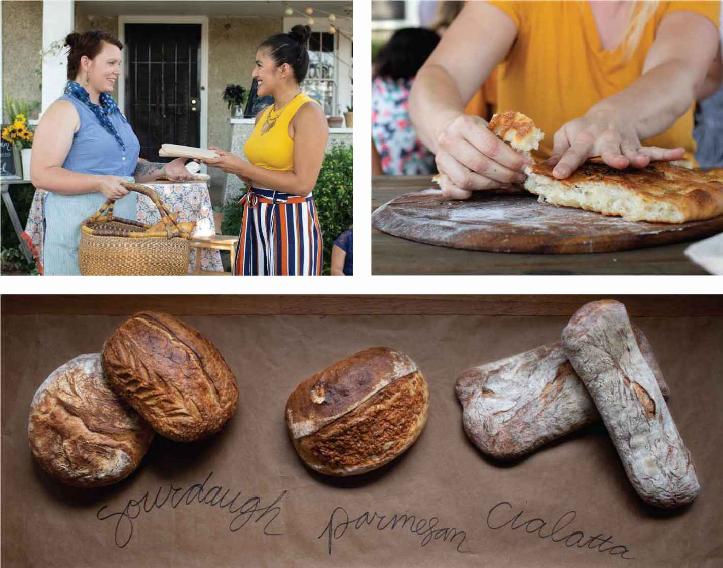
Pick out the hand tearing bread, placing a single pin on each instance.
(515, 128)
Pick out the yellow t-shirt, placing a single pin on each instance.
(557, 68)
(274, 149)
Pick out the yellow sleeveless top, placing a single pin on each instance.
(557, 68)
(274, 149)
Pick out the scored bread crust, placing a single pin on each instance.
(660, 192)
(359, 413)
(171, 375)
(80, 432)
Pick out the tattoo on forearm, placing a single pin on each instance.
(145, 168)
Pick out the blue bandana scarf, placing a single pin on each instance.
(102, 111)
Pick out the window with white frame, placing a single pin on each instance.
(320, 82)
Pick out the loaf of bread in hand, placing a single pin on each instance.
(171, 375)
(358, 414)
(80, 432)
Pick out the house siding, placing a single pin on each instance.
(22, 31)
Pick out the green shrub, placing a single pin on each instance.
(333, 195)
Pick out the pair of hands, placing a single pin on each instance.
(470, 157)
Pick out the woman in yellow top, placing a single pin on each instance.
(617, 80)
(280, 232)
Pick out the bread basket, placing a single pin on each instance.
(112, 246)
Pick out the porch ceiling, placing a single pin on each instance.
(214, 8)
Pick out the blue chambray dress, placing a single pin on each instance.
(94, 151)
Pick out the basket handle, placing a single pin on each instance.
(105, 212)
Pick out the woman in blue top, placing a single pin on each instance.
(84, 148)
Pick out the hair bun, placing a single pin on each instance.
(72, 39)
(300, 33)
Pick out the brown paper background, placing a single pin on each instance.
(442, 475)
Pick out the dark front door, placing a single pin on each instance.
(162, 88)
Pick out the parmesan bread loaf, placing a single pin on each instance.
(171, 375)
(660, 193)
(600, 345)
(513, 406)
(358, 414)
(80, 432)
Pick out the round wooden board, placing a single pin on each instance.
(518, 223)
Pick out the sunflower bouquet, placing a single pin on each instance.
(18, 133)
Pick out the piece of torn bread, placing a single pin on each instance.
(658, 193)
(515, 128)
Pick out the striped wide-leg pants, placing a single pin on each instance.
(280, 235)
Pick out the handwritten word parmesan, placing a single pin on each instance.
(425, 529)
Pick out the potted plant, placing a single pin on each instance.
(21, 137)
(349, 117)
(235, 97)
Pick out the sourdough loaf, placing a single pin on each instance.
(359, 413)
(80, 432)
(171, 375)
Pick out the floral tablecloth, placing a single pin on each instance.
(190, 200)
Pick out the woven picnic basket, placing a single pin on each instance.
(113, 246)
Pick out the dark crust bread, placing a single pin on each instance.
(698, 194)
(80, 432)
(358, 414)
(171, 375)
(338, 389)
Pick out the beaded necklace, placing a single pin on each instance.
(274, 114)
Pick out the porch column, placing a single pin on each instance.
(58, 21)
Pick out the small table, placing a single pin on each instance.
(14, 219)
(217, 242)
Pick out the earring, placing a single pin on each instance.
(86, 82)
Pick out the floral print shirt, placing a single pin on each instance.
(394, 136)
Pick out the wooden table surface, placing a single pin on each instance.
(392, 255)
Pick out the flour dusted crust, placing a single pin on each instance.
(660, 192)
(80, 432)
(171, 375)
(517, 129)
(359, 413)
(515, 405)
(600, 344)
